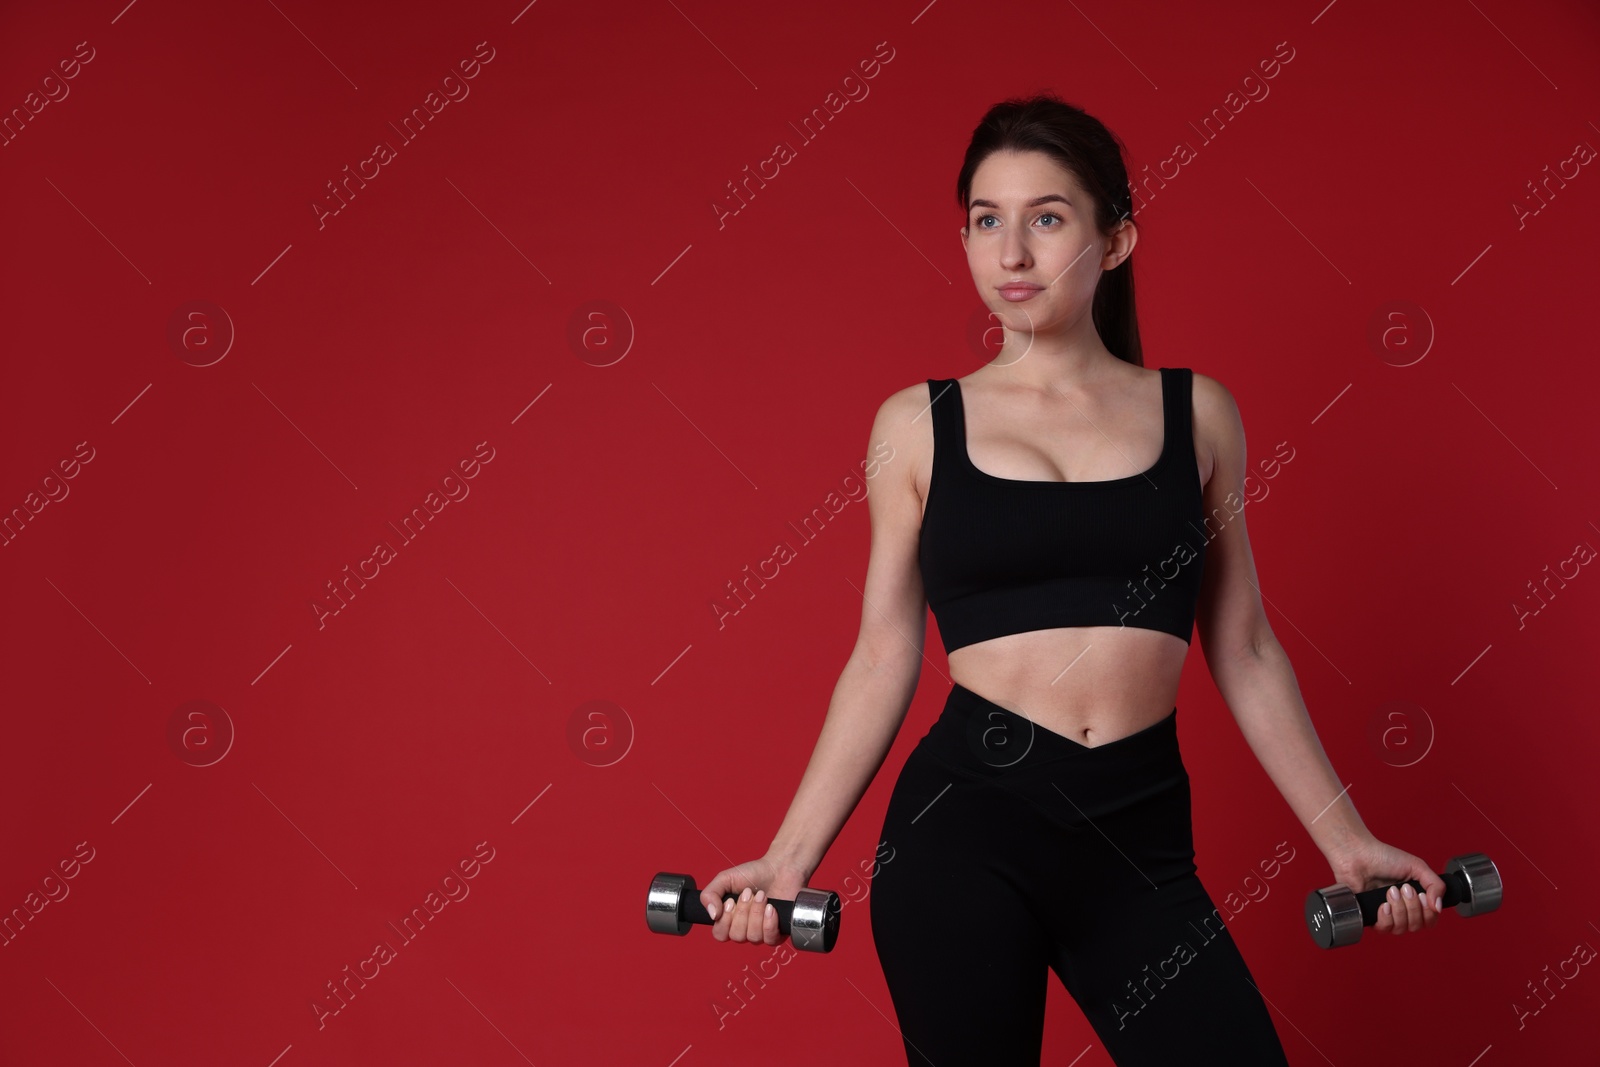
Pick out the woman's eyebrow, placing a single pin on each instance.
(1035, 202)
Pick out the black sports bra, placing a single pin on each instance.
(1004, 555)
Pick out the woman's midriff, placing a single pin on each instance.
(1091, 684)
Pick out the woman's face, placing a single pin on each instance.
(1030, 222)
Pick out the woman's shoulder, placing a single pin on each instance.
(902, 428)
(903, 413)
(910, 400)
(1212, 400)
(1218, 427)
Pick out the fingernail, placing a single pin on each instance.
(1408, 891)
(711, 910)
(761, 894)
(1384, 909)
(1438, 904)
(771, 911)
(1394, 894)
(745, 895)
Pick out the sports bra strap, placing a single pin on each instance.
(1179, 423)
(944, 401)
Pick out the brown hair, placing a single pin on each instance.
(1081, 143)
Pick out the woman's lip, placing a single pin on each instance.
(1021, 286)
(1018, 293)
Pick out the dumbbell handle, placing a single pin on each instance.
(1335, 916)
(695, 912)
(811, 922)
(1455, 891)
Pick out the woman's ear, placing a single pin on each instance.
(1120, 246)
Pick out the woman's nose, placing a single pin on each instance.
(1014, 253)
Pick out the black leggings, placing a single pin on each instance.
(1017, 850)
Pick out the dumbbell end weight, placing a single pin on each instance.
(810, 921)
(1335, 916)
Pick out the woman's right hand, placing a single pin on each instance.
(737, 899)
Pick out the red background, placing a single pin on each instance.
(365, 355)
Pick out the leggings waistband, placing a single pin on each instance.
(983, 740)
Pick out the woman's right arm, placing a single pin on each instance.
(879, 679)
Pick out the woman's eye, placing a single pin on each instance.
(1047, 215)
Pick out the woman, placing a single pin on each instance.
(1070, 516)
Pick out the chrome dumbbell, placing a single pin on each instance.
(811, 919)
(1336, 916)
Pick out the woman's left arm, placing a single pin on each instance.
(1253, 674)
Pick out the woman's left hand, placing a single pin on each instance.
(1369, 864)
